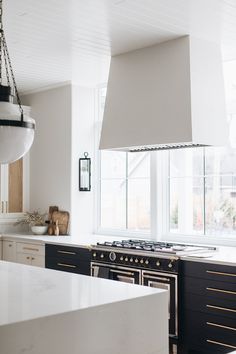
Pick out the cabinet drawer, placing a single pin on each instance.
(210, 305)
(63, 265)
(211, 288)
(31, 248)
(209, 271)
(208, 331)
(66, 252)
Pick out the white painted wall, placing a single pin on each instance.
(83, 139)
(50, 163)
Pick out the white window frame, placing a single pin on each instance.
(159, 202)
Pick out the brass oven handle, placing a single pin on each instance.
(220, 326)
(155, 278)
(30, 249)
(221, 273)
(66, 265)
(222, 291)
(220, 308)
(121, 272)
(221, 344)
(67, 252)
(2, 207)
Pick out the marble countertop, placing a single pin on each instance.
(28, 293)
(223, 255)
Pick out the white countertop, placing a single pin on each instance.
(223, 255)
(27, 293)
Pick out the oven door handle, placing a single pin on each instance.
(121, 272)
(155, 278)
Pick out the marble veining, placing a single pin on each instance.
(29, 292)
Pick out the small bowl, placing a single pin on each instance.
(39, 229)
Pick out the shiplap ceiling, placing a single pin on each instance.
(53, 41)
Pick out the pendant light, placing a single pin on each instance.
(16, 128)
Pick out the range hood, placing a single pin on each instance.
(169, 95)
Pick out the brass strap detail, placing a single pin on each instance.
(222, 291)
(66, 252)
(220, 308)
(220, 326)
(221, 273)
(221, 344)
(66, 265)
(30, 249)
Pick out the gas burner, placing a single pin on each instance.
(154, 246)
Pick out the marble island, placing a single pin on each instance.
(50, 312)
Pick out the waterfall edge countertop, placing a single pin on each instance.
(38, 305)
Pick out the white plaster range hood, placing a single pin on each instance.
(168, 95)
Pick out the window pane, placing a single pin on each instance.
(186, 205)
(113, 164)
(139, 204)
(221, 205)
(138, 164)
(113, 206)
(220, 161)
(186, 162)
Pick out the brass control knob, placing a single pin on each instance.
(158, 263)
(170, 265)
(141, 261)
(147, 261)
(102, 255)
(121, 258)
(94, 254)
(131, 260)
(136, 260)
(126, 259)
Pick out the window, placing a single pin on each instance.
(202, 197)
(125, 191)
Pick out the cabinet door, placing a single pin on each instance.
(9, 251)
(23, 258)
(38, 261)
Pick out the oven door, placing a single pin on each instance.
(107, 271)
(168, 282)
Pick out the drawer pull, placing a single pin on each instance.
(221, 344)
(221, 273)
(30, 249)
(222, 291)
(66, 265)
(220, 308)
(220, 326)
(67, 252)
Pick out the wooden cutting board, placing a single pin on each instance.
(63, 221)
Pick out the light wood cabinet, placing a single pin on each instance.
(28, 253)
(9, 251)
(11, 191)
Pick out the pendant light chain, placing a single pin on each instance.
(12, 75)
(8, 65)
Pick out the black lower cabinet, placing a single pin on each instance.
(208, 308)
(68, 259)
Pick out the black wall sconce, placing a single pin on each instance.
(85, 173)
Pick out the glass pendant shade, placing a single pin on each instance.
(16, 127)
(16, 137)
